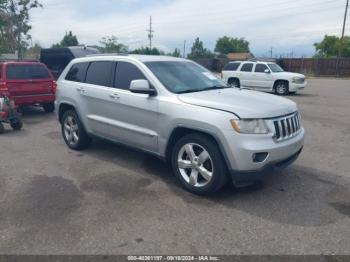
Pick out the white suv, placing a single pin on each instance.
(180, 112)
(262, 76)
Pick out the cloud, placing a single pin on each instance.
(285, 25)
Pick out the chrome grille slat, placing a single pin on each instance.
(287, 127)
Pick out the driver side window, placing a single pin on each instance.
(125, 73)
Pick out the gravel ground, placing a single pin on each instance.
(113, 200)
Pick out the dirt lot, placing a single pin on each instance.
(113, 200)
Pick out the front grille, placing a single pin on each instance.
(287, 127)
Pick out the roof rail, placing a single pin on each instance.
(109, 54)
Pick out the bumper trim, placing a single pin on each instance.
(242, 178)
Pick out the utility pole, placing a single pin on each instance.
(271, 52)
(345, 15)
(342, 37)
(184, 52)
(150, 33)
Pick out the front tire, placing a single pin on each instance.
(198, 164)
(73, 131)
(49, 107)
(281, 88)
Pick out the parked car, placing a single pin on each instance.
(177, 110)
(56, 59)
(28, 83)
(262, 76)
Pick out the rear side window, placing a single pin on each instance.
(126, 73)
(231, 66)
(260, 68)
(100, 73)
(21, 72)
(247, 67)
(77, 73)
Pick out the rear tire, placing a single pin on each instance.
(198, 164)
(234, 82)
(2, 128)
(17, 124)
(49, 107)
(73, 131)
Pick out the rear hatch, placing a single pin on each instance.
(29, 80)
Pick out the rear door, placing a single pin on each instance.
(28, 80)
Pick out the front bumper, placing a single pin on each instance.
(240, 151)
(249, 177)
(293, 87)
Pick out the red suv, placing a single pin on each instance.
(28, 83)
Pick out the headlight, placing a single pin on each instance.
(297, 79)
(250, 126)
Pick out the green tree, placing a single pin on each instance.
(226, 45)
(332, 46)
(147, 51)
(110, 45)
(198, 50)
(15, 24)
(68, 40)
(175, 53)
(33, 52)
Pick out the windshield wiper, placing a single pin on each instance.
(214, 88)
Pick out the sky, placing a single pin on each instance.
(289, 27)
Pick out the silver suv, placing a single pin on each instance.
(177, 110)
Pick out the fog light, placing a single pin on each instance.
(260, 157)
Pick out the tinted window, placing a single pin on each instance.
(231, 66)
(247, 67)
(126, 73)
(77, 73)
(100, 73)
(260, 68)
(18, 72)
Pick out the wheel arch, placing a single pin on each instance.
(181, 131)
(280, 80)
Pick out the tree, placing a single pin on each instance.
(226, 45)
(176, 53)
(110, 45)
(198, 50)
(14, 24)
(33, 52)
(68, 40)
(332, 46)
(147, 51)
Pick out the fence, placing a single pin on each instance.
(307, 66)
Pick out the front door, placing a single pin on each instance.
(135, 116)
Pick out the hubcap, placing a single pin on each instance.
(195, 165)
(71, 130)
(281, 89)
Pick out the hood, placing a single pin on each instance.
(288, 75)
(243, 103)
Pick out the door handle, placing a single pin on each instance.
(114, 96)
(80, 89)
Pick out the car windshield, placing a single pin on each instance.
(184, 77)
(275, 68)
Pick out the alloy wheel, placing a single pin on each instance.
(195, 165)
(71, 130)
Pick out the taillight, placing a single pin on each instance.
(54, 86)
(3, 89)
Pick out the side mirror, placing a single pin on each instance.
(267, 71)
(141, 86)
